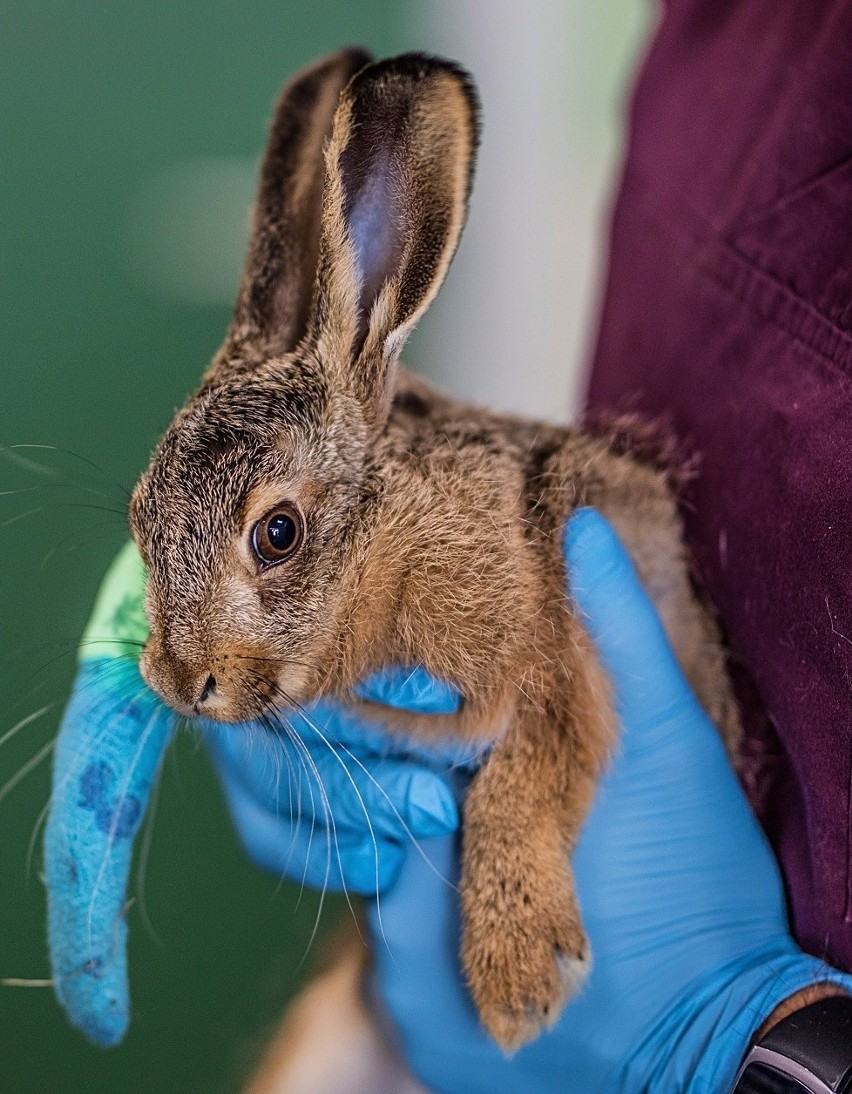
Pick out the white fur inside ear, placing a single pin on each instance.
(376, 229)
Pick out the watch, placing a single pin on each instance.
(808, 1051)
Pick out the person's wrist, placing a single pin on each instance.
(802, 998)
(808, 1046)
(699, 1042)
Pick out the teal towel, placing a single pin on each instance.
(108, 752)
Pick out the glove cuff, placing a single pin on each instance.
(698, 1044)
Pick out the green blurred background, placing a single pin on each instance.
(113, 114)
(130, 135)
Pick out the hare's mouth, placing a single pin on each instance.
(223, 688)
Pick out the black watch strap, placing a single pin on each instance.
(809, 1050)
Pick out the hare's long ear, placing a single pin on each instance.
(276, 292)
(399, 168)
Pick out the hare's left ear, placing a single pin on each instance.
(277, 289)
(399, 168)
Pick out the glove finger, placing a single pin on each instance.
(110, 744)
(311, 853)
(410, 689)
(327, 723)
(388, 797)
(624, 625)
(421, 911)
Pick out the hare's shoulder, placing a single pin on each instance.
(625, 463)
(427, 421)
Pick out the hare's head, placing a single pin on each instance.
(249, 515)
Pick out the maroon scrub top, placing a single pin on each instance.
(728, 314)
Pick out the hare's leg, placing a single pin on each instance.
(328, 1043)
(524, 950)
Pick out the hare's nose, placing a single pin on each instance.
(188, 689)
(194, 689)
(207, 690)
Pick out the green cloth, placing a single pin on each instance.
(118, 627)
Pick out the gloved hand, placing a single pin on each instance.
(332, 801)
(628, 911)
(322, 800)
(679, 891)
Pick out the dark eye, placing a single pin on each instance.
(278, 535)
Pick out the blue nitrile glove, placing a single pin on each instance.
(110, 745)
(679, 891)
(377, 796)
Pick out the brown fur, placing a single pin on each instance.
(329, 1043)
(433, 530)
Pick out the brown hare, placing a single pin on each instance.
(314, 513)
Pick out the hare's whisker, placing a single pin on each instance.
(92, 744)
(113, 829)
(292, 735)
(383, 793)
(26, 768)
(295, 819)
(12, 453)
(96, 641)
(120, 663)
(272, 660)
(24, 722)
(74, 543)
(277, 727)
(142, 869)
(40, 819)
(361, 803)
(330, 829)
(299, 744)
(58, 485)
(62, 505)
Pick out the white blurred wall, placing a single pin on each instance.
(512, 325)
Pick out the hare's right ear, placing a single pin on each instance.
(399, 168)
(276, 291)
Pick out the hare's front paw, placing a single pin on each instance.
(524, 951)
